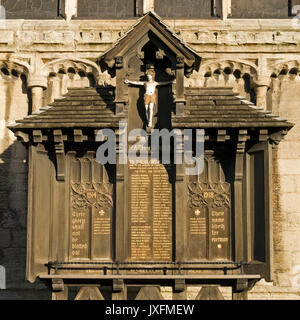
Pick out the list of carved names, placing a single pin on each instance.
(151, 213)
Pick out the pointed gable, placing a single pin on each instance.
(151, 22)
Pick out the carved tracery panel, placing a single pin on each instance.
(91, 210)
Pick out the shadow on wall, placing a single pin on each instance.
(13, 218)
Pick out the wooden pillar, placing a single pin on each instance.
(119, 99)
(238, 195)
(120, 196)
(180, 99)
(180, 203)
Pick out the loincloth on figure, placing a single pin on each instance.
(149, 98)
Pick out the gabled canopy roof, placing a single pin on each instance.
(205, 108)
(152, 22)
(220, 107)
(79, 108)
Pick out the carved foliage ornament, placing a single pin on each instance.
(209, 194)
(86, 194)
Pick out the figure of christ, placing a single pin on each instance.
(150, 96)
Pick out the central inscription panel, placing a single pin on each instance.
(150, 208)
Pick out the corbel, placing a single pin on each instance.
(59, 290)
(276, 137)
(179, 285)
(78, 136)
(22, 136)
(241, 141)
(38, 136)
(241, 285)
(263, 135)
(110, 63)
(58, 136)
(118, 285)
(222, 136)
(58, 285)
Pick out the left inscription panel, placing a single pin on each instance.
(91, 196)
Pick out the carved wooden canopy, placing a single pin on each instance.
(152, 23)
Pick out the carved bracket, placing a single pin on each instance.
(58, 285)
(222, 136)
(276, 137)
(241, 285)
(118, 285)
(38, 136)
(24, 137)
(263, 135)
(179, 285)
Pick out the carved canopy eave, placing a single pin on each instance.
(152, 22)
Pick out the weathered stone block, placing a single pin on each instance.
(6, 37)
(283, 261)
(294, 221)
(287, 183)
(288, 166)
(284, 280)
(290, 202)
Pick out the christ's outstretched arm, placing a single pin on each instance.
(137, 83)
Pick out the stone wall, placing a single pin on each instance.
(107, 9)
(56, 55)
(32, 9)
(184, 9)
(261, 9)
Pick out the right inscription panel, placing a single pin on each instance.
(208, 221)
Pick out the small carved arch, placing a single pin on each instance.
(13, 69)
(283, 69)
(80, 67)
(236, 68)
